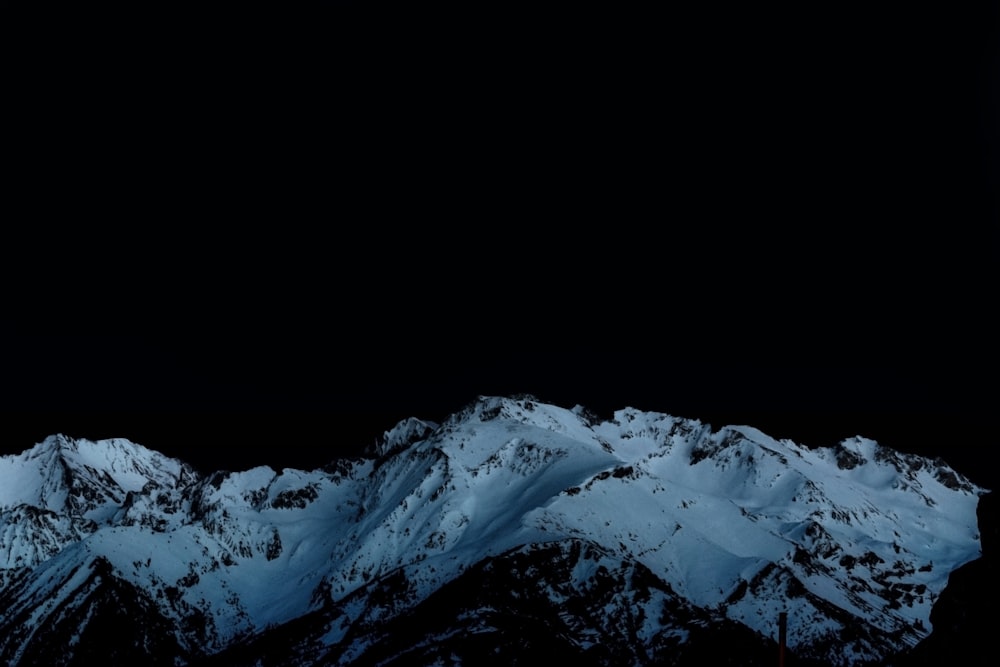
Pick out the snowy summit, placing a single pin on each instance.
(641, 539)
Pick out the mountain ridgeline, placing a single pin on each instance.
(513, 530)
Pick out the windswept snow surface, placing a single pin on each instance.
(732, 520)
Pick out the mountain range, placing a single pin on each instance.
(513, 529)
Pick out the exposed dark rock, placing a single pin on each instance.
(964, 616)
(101, 621)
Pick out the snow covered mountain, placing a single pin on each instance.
(513, 527)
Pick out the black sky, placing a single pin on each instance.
(787, 222)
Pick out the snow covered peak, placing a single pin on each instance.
(854, 539)
(525, 408)
(55, 442)
(403, 434)
(84, 478)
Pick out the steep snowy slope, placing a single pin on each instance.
(723, 528)
(62, 490)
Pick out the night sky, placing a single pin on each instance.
(314, 235)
